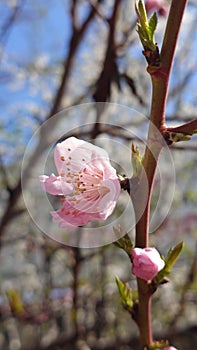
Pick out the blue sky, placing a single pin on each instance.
(41, 35)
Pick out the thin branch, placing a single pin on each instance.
(109, 72)
(4, 175)
(73, 9)
(68, 63)
(10, 21)
(187, 128)
(15, 194)
(180, 118)
(127, 40)
(99, 11)
(7, 26)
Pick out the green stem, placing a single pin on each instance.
(160, 79)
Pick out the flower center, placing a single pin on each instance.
(90, 186)
(86, 184)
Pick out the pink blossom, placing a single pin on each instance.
(147, 263)
(170, 348)
(86, 181)
(157, 5)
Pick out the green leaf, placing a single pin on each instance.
(126, 294)
(152, 25)
(142, 12)
(178, 136)
(136, 161)
(146, 27)
(123, 242)
(170, 260)
(15, 301)
(161, 344)
(173, 255)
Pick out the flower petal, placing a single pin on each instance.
(54, 185)
(108, 202)
(85, 171)
(74, 154)
(103, 163)
(70, 154)
(147, 262)
(71, 218)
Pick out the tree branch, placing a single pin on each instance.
(109, 71)
(187, 128)
(15, 194)
(160, 79)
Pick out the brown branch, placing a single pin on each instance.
(103, 129)
(160, 79)
(99, 11)
(73, 10)
(187, 128)
(68, 63)
(15, 193)
(75, 288)
(109, 71)
(180, 118)
(10, 20)
(183, 148)
(7, 26)
(127, 40)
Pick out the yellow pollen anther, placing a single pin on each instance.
(75, 212)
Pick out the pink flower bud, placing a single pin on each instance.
(147, 263)
(157, 5)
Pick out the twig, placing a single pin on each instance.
(7, 26)
(15, 194)
(109, 72)
(187, 128)
(99, 11)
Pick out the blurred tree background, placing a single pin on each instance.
(55, 55)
